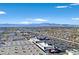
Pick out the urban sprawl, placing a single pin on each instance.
(39, 41)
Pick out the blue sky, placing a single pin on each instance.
(30, 13)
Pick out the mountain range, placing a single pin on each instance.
(38, 25)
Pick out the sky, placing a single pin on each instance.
(32, 13)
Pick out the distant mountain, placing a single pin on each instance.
(38, 25)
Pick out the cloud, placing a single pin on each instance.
(62, 7)
(68, 6)
(74, 4)
(25, 22)
(75, 18)
(33, 21)
(2, 12)
(40, 20)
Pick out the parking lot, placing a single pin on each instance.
(20, 48)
